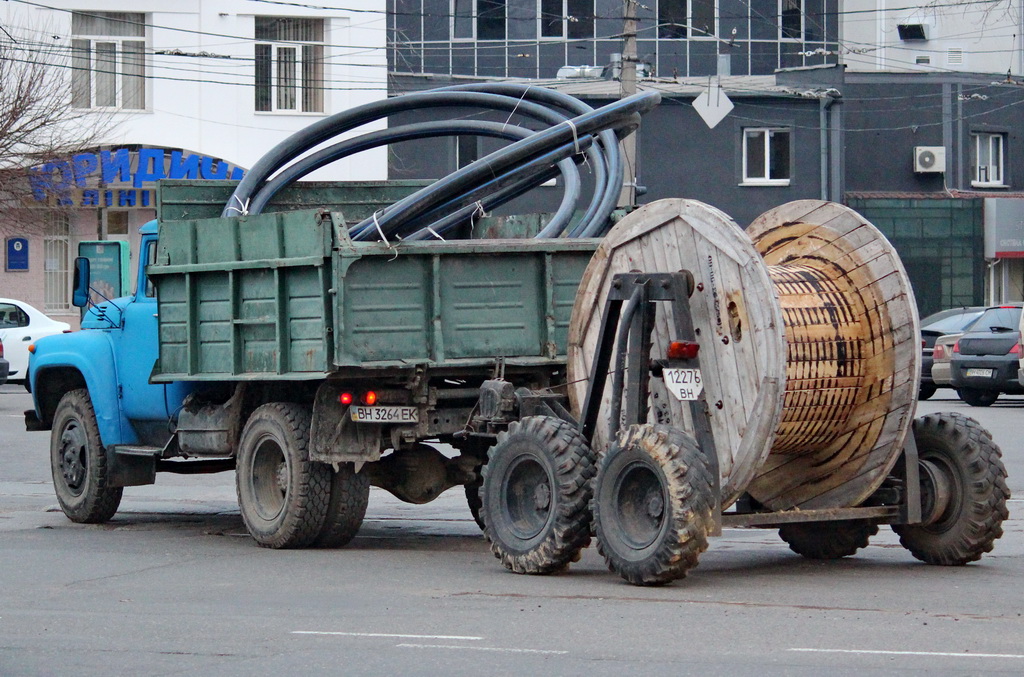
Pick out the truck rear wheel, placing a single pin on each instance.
(827, 540)
(350, 492)
(536, 493)
(78, 462)
(283, 496)
(653, 504)
(963, 491)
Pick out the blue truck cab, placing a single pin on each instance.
(94, 385)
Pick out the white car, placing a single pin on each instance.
(20, 326)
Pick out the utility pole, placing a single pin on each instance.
(627, 87)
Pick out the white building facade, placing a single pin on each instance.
(185, 89)
(899, 36)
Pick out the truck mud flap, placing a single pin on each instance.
(131, 466)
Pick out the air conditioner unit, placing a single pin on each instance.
(929, 159)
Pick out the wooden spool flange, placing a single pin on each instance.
(809, 357)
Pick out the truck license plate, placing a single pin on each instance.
(982, 373)
(384, 414)
(685, 384)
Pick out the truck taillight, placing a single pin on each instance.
(369, 398)
(682, 350)
(345, 398)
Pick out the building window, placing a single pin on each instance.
(467, 150)
(108, 60)
(580, 18)
(680, 18)
(289, 64)
(552, 18)
(766, 156)
(988, 159)
(490, 19)
(57, 263)
(791, 14)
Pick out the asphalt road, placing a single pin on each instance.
(174, 586)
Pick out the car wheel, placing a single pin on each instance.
(926, 390)
(976, 397)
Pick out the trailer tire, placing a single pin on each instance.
(282, 495)
(536, 495)
(828, 540)
(653, 504)
(976, 397)
(78, 462)
(350, 493)
(961, 467)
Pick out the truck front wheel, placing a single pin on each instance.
(78, 462)
(283, 496)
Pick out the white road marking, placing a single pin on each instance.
(914, 653)
(477, 648)
(381, 634)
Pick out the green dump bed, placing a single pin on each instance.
(289, 296)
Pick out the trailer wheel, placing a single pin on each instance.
(828, 540)
(283, 496)
(78, 462)
(653, 504)
(976, 397)
(536, 495)
(963, 491)
(350, 492)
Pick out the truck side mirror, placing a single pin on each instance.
(80, 292)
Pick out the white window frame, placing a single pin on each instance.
(471, 19)
(981, 175)
(57, 257)
(86, 62)
(277, 47)
(763, 179)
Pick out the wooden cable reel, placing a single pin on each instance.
(809, 353)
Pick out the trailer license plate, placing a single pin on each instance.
(685, 384)
(384, 414)
(981, 373)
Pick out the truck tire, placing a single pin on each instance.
(474, 503)
(828, 540)
(653, 504)
(78, 462)
(976, 397)
(283, 496)
(961, 467)
(536, 495)
(350, 492)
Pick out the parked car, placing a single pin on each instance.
(986, 358)
(4, 365)
(942, 354)
(21, 325)
(942, 323)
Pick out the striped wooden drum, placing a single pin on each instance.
(809, 356)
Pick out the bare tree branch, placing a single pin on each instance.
(38, 126)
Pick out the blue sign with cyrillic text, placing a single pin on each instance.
(17, 254)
